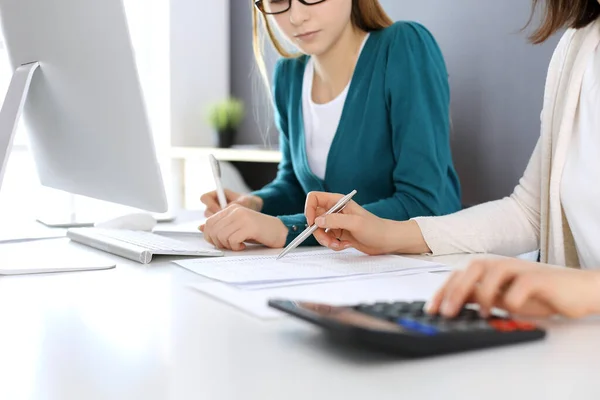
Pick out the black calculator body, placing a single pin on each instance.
(405, 329)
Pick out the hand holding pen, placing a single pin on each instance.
(220, 198)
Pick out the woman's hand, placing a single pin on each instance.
(352, 227)
(230, 228)
(520, 287)
(211, 201)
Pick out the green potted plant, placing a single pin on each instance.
(225, 118)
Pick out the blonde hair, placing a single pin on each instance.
(367, 15)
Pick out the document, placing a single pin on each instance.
(392, 287)
(307, 266)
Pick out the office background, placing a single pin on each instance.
(194, 52)
(497, 82)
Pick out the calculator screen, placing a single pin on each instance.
(348, 316)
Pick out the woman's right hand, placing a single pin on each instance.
(356, 227)
(352, 227)
(211, 201)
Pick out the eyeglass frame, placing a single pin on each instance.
(259, 5)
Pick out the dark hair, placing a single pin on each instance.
(560, 14)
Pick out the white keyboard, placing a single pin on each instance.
(138, 245)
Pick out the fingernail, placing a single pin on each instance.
(201, 227)
(347, 246)
(427, 307)
(335, 245)
(320, 221)
(446, 307)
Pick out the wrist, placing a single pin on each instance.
(595, 278)
(256, 203)
(281, 234)
(408, 238)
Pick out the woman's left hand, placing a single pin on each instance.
(520, 287)
(231, 227)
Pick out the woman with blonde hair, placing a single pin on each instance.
(363, 105)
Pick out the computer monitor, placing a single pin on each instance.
(77, 86)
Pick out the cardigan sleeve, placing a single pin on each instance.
(418, 99)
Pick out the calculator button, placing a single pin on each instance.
(461, 326)
(392, 314)
(525, 326)
(468, 314)
(414, 326)
(481, 326)
(503, 325)
(416, 308)
(401, 307)
(444, 326)
(379, 307)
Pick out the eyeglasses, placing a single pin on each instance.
(272, 7)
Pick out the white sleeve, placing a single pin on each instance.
(508, 227)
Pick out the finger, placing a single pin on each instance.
(230, 195)
(210, 201)
(524, 288)
(208, 239)
(326, 239)
(236, 240)
(351, 223)
(458, 291)
(434, 305)
(224, 229)
(316, 200)
(492, 285)
(211, 232)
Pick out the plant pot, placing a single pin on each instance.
(226, 138)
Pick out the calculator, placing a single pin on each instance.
(405, 329)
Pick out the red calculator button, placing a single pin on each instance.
(503, 326)
(525, 326)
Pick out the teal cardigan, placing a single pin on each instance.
(392, 142)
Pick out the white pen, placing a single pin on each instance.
(339, 206)
(216, 170)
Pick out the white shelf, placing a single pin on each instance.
(233, 154)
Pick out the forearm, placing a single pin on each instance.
(499, 227)
(405, 237)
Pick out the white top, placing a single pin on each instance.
(320, 120)
(532, 217)
(580, 189)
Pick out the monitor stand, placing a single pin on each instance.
(12, 108)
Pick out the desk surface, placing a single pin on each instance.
(138, 332)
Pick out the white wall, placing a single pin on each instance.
(199, 67)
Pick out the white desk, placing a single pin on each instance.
(137, 332)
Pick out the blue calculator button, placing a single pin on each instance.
(408, 323)
(417, 327)
(428, 330)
